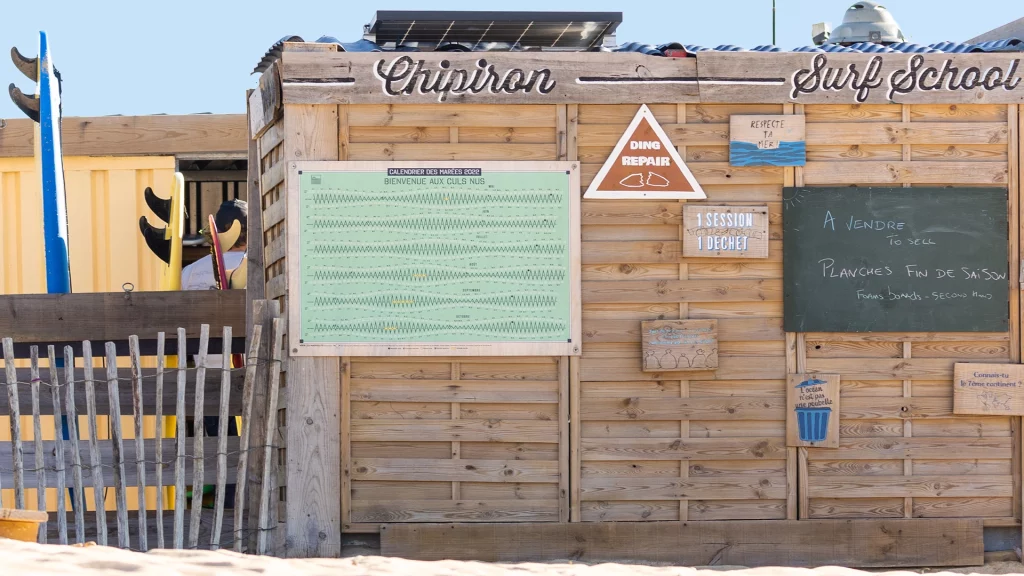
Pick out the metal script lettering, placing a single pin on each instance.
(404, 76)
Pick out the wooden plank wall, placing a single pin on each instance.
(678, 445)
(646, 446)
(902, 452)
(471, 439)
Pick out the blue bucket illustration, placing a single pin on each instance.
(813, 423)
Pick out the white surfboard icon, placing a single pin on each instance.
(635, 180)
(656, 180)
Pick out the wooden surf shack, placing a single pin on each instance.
(397, 444)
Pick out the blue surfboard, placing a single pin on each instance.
(45, 109)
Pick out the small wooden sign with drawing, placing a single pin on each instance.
(812, 416)
(988, 389)
(670, 345)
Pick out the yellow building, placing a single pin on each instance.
(108, 162)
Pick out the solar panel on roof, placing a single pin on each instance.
(569, 30)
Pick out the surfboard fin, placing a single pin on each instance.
(27, 104)
(28, 66)
(156, 240)
(160, 206)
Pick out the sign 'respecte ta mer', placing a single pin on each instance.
(776, 140)
(895, 260)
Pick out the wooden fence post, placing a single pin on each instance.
(243, 451)
(12, 399)
(161, 365)
(222, 439)
(275, 382)
(98, 486)
(198, 432)
(58, 436)
(140, 443)
(37, 440)
(117, 443)
(78, 498)
(179, 460)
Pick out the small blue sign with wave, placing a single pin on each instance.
(748, 154)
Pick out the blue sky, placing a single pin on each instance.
(145, 57)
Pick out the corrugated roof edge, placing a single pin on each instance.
(676, 49)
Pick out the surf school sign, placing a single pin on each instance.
(623, 78)
(849, 78)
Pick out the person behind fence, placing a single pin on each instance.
(200, 276)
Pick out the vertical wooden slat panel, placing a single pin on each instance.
(179, 458)
(140, 445)
(15, 406)
(158, 453)
(95, 464)
(222, 441)
(37, 440)
(58, 436)
(198, 432)
(251, 363)
(117, 445)
(78, 497)
(275, 383)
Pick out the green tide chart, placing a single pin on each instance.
(432, 259)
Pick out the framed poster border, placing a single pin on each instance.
(294, 266)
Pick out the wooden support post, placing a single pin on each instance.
(140, 445)
(12, 399)
(684, 312)
(95, 464)
(222, 440)
(251, 364)
(78, 498)
(117, 445)
(37, 440)
(58, 436)
(179, 457)
(313, 431)
(198, 432)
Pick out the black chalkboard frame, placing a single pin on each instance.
(971, 226)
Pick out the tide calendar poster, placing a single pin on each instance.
(434, 258)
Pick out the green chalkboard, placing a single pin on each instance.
(895, 259)
(413, 260)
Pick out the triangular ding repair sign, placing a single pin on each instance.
(645, 164)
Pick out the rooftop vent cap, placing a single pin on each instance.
(867, 21)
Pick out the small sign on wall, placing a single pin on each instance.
(988, 389)
(812, 417)
(777, 140)
(670, 345)
(725, 231)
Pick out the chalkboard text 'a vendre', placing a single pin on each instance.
(916, 76)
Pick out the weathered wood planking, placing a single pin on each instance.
(116, 316)
(120, 135)
(407, 418)
(863, 543)
(897, 428)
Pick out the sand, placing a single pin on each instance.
(38, 559)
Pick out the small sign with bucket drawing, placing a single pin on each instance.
(813, 417)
